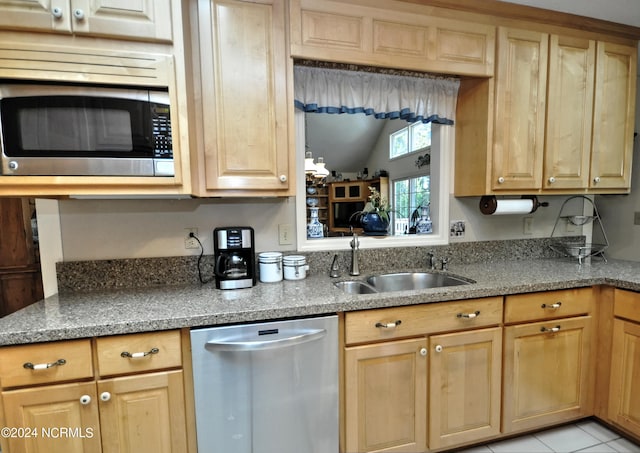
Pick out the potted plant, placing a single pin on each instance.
(374, 217)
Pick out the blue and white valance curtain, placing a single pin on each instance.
(425, 98)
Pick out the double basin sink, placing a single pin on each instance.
(400, 281)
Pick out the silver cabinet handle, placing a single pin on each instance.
(137, 355)
(554, 306)
(296, 338)
(44, 366)
(468, 315)
(388, 325)
(85, 399)
(550, 330)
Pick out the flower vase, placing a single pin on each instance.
(315, 229)
(374, 225)
(424, 225)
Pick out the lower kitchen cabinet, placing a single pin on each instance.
(77, 398)
(386, 396)
(624, 399)
(464, 386)
(430, 391)
(547, 373)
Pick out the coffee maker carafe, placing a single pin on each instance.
(234, 253)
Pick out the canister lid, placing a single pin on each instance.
(294, 260)
(269, 257)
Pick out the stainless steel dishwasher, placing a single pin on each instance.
(268, 387)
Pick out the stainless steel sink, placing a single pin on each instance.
(355, 287)
(400, 281)
(413, 280)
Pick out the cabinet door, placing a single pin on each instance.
(624, 399)
(143, 413)
(569, 113)
(62, 422)
(386, 397)
(245, 101)
(547, 373)
(36, 15)
(521, 84)
(614, 116)
(142, 19)
(464, 382)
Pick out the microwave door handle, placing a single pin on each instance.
(296, 338)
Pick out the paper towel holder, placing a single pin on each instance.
(489, 204)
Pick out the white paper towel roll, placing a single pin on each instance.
(493, 206)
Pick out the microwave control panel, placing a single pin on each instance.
(162, 145)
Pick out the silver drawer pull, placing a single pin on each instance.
(389, 325)
(137, 355)
(44, 366)
(551, 330)
(468, 315)
(552, 306)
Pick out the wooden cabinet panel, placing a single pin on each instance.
(143, 19)
(142, 347)
(624, 400)
(245, 103)
(569, 113)
(521, 85)
(547, 373)
(465, 370)
(423, 319)
(143, 414)
(627, 305)
(75, 353)
(54, 407)
(614, 115)
(332, 30)
(548, 305)
(19, 289)
(386, 397)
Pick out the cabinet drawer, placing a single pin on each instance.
(51, 362)
(134, 353)
(548, 305)
(627, 305)
(399, 322)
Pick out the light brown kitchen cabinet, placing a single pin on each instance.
(246, 101)
(614, 115)
(624, 403)
(391, 34)
(547, 364)
(386, 394)
(521, 85)
(465, 371)
(134, 404)
(147, 20)
(394, 356)
(556, 97)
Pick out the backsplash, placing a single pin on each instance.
(183, 270)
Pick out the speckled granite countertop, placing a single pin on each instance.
(119, 311)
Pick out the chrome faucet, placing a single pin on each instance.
(355, 243)
(431, 260)
(333, 272)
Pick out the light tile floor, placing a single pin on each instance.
(586, 436)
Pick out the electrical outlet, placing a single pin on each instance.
(285, 234)
(189, 242)
(527, 225)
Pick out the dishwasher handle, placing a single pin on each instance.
(296, 338)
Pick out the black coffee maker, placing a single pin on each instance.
(234, 253)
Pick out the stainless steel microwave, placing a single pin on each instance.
(84, 130)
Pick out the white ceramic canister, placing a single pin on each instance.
(295, 267)
(270, 264)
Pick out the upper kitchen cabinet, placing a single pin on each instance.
(147, 20)
(556, 98)
(243, 116)
(391, 34)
